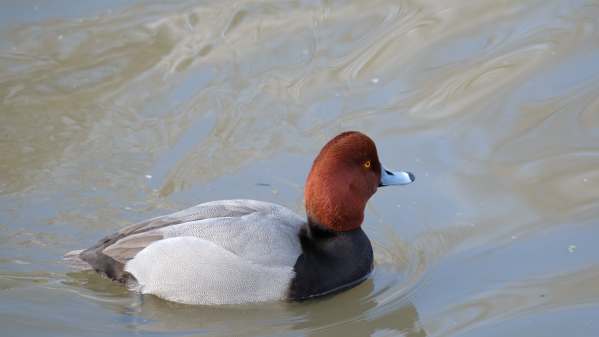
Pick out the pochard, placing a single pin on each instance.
(241, 251)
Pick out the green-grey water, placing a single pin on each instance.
(117, 111)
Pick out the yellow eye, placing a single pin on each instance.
(367, 164)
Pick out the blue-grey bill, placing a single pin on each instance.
(395, 177)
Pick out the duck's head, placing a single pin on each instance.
(345, 174)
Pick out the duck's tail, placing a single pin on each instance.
(73, 259)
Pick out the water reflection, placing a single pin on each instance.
(357, 310)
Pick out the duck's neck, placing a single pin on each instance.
(315, 230)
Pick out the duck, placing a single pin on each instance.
(247, 251)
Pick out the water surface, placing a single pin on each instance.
(115, 112)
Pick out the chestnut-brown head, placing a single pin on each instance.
(345, 174)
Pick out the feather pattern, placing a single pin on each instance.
(126, 248)
(220, 252)
(197, 271)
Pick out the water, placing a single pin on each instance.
(117, 112)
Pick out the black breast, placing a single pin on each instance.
(330, 262)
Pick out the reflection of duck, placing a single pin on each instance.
(347, 317)
(236, 251)
(358, 312)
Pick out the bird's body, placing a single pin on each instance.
(240, 251)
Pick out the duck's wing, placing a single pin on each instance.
(249, 228)
(208, 210)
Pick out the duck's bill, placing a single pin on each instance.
(395, 177)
